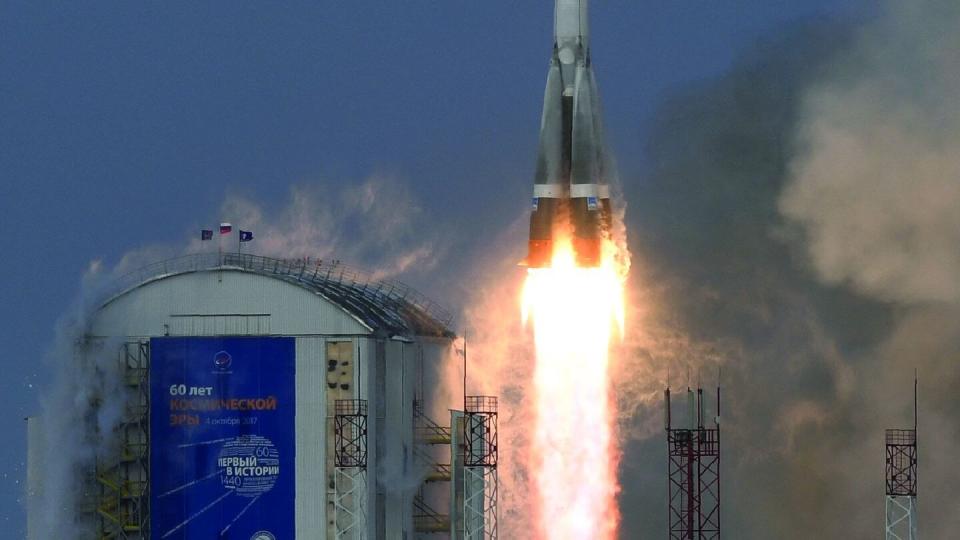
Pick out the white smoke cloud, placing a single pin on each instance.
(876, 186)
(85, 404)
(377, 223)
(875, 189)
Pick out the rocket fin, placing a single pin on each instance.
(550, 157)
(583, 158)
(585, 205)
(605, 169)
(598, 132)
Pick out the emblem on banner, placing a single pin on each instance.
(222, 361)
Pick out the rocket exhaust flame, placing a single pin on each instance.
(573, 296)
(574, 311)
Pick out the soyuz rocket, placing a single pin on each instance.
(570, 189)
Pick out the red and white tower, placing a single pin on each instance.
(693, 464)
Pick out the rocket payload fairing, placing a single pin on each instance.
(570, 190)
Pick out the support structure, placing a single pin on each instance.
(693, 464)
(901, 480)
(123, 499)
(350, 469)
(480, 479)
(430, 435)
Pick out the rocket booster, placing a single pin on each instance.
(570, 190)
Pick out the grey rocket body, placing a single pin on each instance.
(570, 192)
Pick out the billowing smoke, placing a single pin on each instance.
(82, 408)
(798, 227)
(377, 223)
(874, 190)
(876, 182)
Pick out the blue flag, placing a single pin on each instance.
(245, 236)
(206, 234)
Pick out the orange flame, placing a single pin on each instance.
(574, 460)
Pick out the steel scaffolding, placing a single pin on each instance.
(901, 480)
(693, 464)
(122, 476)
(480, 480)
(350, 469)
(427, 432)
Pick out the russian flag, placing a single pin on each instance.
(225, 228)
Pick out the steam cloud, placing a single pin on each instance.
(377, 223)
(86, 401)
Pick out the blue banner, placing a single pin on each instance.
(222, 438)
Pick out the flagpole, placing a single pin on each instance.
(220, 253)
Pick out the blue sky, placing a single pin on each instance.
(126, 123)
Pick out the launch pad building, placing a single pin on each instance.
(260, 399)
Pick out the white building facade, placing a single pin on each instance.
(233, 370)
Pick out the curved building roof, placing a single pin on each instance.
(379, 304)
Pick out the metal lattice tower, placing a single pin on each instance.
(901, 481)
(481, 482)
(693, 464)
(350, 468)
(122, 496)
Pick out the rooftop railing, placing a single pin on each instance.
(314, 271)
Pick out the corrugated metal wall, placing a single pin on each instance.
(311, 438)
(223, 303)
(395, 468)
